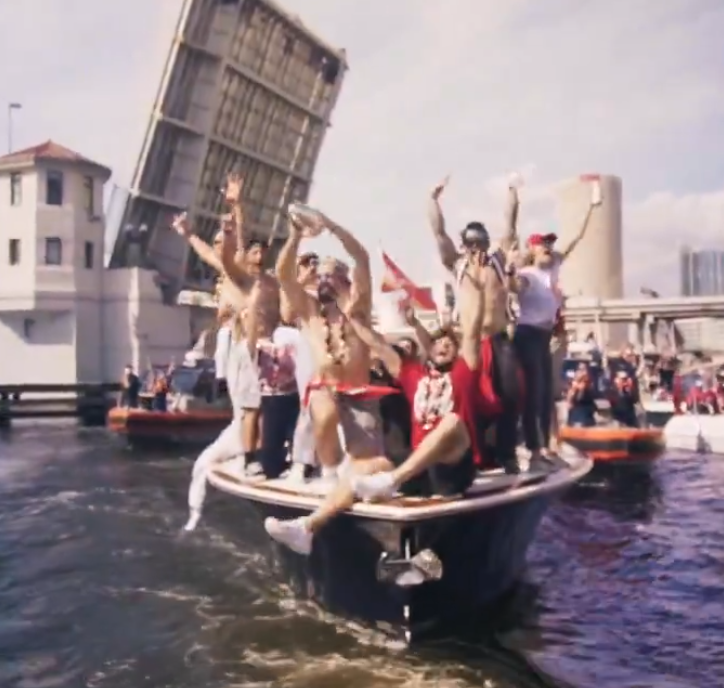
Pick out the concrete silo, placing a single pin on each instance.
(595, 268)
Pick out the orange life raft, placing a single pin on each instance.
(173, 427)
(611, 444)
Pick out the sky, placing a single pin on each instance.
(473, 88)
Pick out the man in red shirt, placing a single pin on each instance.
(443, 397)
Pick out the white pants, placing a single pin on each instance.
(242, 378)
(303, 450)
(226, 446)
(221, 353)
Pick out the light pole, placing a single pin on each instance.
(11, 107)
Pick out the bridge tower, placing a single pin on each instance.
(246, 88)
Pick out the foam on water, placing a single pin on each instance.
(98, 587)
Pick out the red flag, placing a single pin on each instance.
(396, 280)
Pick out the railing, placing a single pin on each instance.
(87, 402)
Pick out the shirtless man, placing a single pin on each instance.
(241, 358)
(540, 302)
(442, 395)
(240, 267)
(499, 381)
(340, 360)
(339, 393)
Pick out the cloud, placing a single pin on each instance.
(472, 87)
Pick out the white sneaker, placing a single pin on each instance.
(379, 486)
(294, 534)
(194, 518)
(296, 473)
(253, 470)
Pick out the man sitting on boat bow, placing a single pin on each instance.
(442, 394)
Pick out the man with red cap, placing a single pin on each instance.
(540, 301)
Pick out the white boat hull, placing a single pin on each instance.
(703, 434)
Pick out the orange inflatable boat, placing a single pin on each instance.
(198, 427)
(615, 444)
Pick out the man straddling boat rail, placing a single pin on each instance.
(241, 359)
(239, 268)
(443, 398)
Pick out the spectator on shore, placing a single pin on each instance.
(130, 388)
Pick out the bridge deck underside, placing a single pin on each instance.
(245, 91)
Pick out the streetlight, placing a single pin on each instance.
(11, 107)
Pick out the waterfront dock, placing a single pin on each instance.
(88, 402)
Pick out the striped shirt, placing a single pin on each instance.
(496, 260)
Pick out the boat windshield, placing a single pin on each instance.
(184, 380)
(197, 381)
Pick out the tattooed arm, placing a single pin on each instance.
(445, 246)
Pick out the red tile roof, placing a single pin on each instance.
(48, 151)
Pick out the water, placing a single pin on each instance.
(99, 589)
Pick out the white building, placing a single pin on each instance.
(63, 317)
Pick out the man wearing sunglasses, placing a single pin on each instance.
(475, 265)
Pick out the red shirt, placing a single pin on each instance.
(433, 395)
(699, 396)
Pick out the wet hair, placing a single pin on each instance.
(306, 259)
(254, 242)
(443, 332)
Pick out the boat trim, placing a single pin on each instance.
(409, 509)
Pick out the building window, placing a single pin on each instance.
(89, 192)
(53, 251)
(54, 188)
(16, 188)
(14, 251)
(88, 257)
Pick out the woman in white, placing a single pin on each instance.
(241, 367)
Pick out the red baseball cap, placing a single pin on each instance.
(540, 239)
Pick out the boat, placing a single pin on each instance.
(412, 565)
(196, 415)
(658, 411)
(607, 443)
(691, 429)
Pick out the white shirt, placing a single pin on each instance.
(540, 300)
(303, 360)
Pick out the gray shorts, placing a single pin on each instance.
(362, 426)
(242, 378)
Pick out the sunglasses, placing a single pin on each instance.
(309, 262)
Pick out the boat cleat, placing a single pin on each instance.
(424, 567)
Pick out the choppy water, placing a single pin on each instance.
(97, 587)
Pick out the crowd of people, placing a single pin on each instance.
(317, 391)
(155, 387)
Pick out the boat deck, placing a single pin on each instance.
(490, 488)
